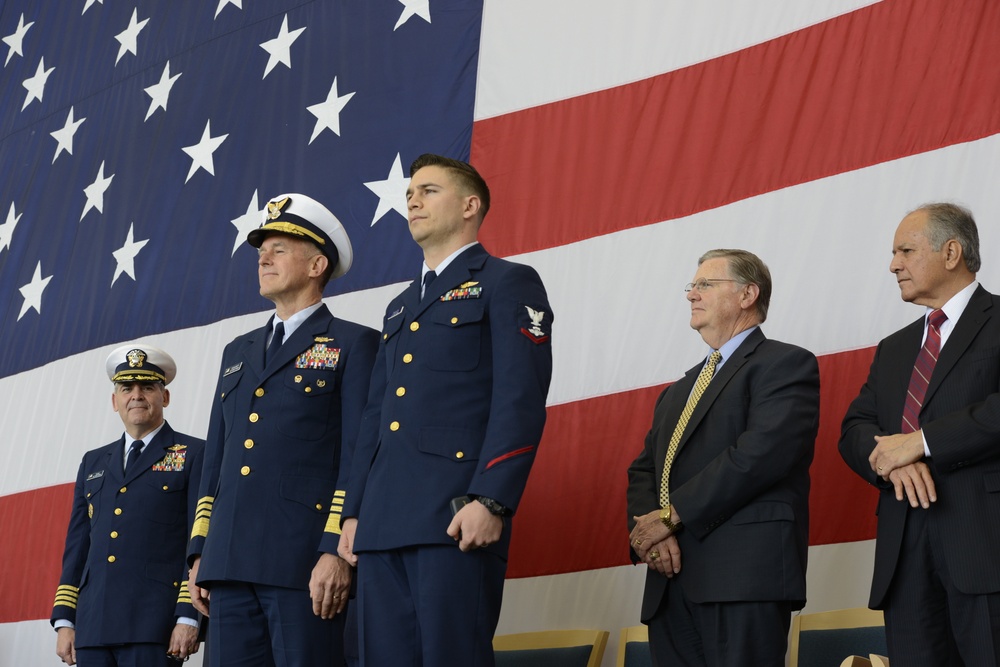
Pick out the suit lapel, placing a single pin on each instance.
(253, 353)
(722, 377)
(975, 316)
(115, 461)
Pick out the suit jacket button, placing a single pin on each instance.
(245, 470)
(111, 559)
(114, 534)
(414, 326)
(407, 358)
(254, 417)
(248, 443)
(394, 426)
(401, 391)
(308, 389)
(319, 506)
(454, 320)
(118, 511)
(459, 455)
(123, 489)
(259, 392)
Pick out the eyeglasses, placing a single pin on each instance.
(706, 284)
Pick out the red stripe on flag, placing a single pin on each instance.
(884, 82)
(34, 526)
(572, 516)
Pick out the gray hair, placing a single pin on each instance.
(748, 269)
(946, 221)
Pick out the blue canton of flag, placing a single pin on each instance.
(140, 140)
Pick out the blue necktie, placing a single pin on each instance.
(133, 454)
(428, 279)
(276, 339)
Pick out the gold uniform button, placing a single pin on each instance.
(166, 488)
(111, 559)
(123, 489)
(394, 426)
(114, 534)
(318, 506)
(254, 417)
(401, 391)
(245, 470)
(385, 336)
(88, 495)
(176, 584)
(459, 455)
(407, 358)
(259, 392)
(248, 443)
(454, 320)
(118, 511)
(414, 326)
(308, 389)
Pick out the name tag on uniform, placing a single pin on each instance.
(232, 369)
(95, 475)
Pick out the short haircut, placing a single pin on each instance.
(747, 269)
(466, 174)
(946, 221)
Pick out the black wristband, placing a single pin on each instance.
(493, 506)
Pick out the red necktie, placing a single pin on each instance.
(922, 370)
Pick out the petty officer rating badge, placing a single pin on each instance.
(531, 325)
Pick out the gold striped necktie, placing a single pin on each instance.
(699, 388)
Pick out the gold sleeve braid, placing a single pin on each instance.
(201, 517)
(336, 510)
(66, 596)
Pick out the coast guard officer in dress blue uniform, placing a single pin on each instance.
(123, 594)
(283, 427)
(455, 414)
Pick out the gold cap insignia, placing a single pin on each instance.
(274, 208)
(135, 358)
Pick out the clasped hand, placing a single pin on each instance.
(655, 544)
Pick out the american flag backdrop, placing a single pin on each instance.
(140, 138)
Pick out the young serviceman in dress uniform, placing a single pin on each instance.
(455, 415)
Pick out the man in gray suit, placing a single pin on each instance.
(925, 430)
(723, 481)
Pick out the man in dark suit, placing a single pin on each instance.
(123, 593)
(280, 439)
(722, 482)
(925, 430)
(455, 414)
